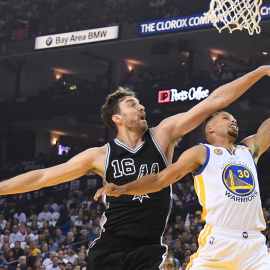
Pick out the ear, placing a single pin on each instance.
(116, 118)
(209, 129)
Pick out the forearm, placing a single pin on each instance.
(155, 182)
(229, 92)
(22, 183)
(146, 184)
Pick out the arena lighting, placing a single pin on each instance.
(54, 141)
(265, 53)
(57, 76)
(132, 63)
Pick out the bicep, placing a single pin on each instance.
(259, 142)
(178, 125)
(72, 169)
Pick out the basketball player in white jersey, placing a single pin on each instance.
(226, 183)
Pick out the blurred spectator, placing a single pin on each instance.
(34, 227)
(61, 256)
(17, 250)
(45, 214)
(64, 221)
(198, 219)
(44, 254)
(30, 259)
(20, 215)
(61, 265)
(53, 205)
(169, 263)
(68, 241)
(28, 235)
(80, 260)
(59, 237)
(22, 263)
(69, 266)
(179, 254)
(15, 235)
(54, 265)
(70, 254)
(48, 262)
(37, 264)
(2, 259)
(2, 222)
(52, 244)
(34, 251)
(12, 262)
(5, 248)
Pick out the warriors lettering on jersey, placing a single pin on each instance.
(239, 181)
(238, 199)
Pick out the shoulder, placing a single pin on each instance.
(95, 150)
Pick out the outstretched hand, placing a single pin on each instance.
(109, 190)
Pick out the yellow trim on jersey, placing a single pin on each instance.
(200, 190)
(202, 242)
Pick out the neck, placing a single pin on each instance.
(130, 139)
(223, 143)
(227, 142)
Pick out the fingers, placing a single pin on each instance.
(98, 194)
(106, 190)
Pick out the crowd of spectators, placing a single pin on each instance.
(21, 19)
(59, 233)
(58, 236)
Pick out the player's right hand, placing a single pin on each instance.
(109, 190)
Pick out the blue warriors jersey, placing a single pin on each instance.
(228, 189)
(135, 219)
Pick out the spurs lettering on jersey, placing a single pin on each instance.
(126, 167)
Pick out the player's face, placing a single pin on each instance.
(168, 264)
(226, 124)
(133, 114)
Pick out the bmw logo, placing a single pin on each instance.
(49, 41)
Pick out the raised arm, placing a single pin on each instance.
(176, 126)
(89, 160)
(259, 142)
(190, 161)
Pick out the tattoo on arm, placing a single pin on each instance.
(178, 176)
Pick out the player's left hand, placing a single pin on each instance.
(109, 190)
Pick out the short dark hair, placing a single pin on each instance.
(205, 123)
(111, 106)
(173, 259)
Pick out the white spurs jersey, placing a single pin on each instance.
(228, 189)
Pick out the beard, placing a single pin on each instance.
(233, 134)
(142, 127)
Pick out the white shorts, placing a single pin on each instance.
(221, 249)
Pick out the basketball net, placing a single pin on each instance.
(235, 15)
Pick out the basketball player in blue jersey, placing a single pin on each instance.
(132, 226)
(225, 179)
